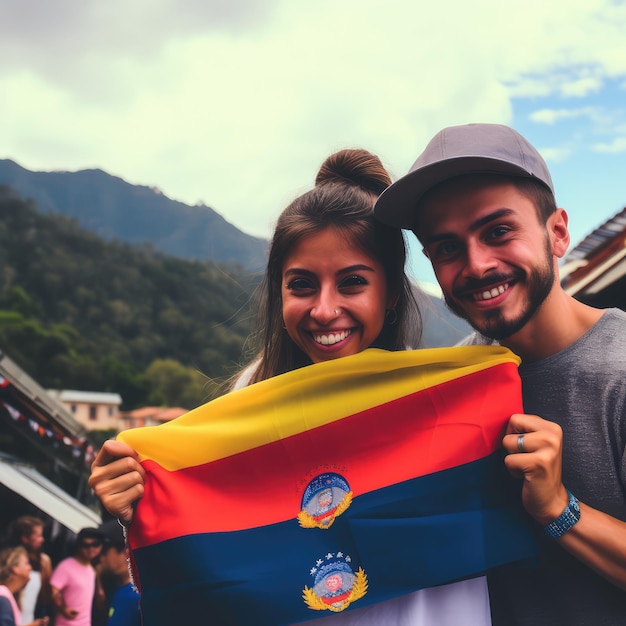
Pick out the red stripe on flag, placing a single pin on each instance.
(434, 429)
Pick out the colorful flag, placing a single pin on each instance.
(328, 488)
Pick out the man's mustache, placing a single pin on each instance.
(476, 284)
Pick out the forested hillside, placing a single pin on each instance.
(79, 312)
(114, 209)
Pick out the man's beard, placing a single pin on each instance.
(492, 324)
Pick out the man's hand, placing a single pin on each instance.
(535, 454)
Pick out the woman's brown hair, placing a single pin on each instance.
(346, 187)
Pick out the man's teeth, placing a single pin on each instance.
(491, 293)
(329, 340)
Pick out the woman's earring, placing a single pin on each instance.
(391, 317)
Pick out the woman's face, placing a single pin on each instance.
(22, 568)
(334, 296)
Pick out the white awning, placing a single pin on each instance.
(45, 495)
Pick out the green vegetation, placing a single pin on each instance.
(77, 312)
(116, 210)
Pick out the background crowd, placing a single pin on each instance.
(87, 585)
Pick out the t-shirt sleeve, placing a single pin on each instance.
(6, 613)
(59, 576)
(124, 610)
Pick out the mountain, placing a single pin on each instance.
(80, 312)
(440, 327)
(116, 210)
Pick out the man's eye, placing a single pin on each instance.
(352, 281)
(499, 231)
(300, 284)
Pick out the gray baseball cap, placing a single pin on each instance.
(456, 151)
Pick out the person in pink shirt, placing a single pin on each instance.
(74, 581)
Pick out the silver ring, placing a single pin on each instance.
(520, 443)
(336, 312)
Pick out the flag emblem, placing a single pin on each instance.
(336, 586)
(325, 498)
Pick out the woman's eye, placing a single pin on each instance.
(446, 248)
(300, 284)
(352, 281)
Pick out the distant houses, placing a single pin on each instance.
(95, 410)
(149, 416)
(98, 410)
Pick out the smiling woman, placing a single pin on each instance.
(335, 281)
(333, 304)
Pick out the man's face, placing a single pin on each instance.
(491, 254)
(34, 541)
(89, 548)
(111, 561)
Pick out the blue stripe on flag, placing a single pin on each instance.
(420, 533)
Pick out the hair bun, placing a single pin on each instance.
(354, 167)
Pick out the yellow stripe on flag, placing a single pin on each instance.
(303, 399)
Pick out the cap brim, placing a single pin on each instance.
(111, 531)
(397, 205)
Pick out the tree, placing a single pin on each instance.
(174, 384)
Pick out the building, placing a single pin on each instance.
(44, 457)
(594, 272)
(95, 410)
(149, 416)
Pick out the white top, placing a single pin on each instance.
(28, 600)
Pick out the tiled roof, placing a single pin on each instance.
(595, 269)
(155, 413)
(90, 397)
(598, 238)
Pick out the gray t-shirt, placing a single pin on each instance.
(582, 388)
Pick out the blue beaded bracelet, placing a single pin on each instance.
(566, 520)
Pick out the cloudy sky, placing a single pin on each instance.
(235, 104)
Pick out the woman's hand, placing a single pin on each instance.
(40, 621)
(117, 478)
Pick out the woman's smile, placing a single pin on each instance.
(334, 296)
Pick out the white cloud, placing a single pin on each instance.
(551, 116)
(556, 154)
(613, 147)
(582, 86)
(238, 103)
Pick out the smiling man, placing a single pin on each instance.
(481, 201)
